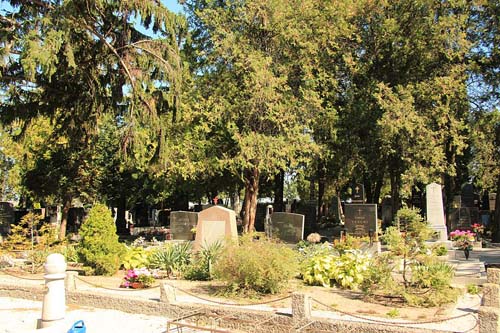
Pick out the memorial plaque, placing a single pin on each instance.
(361, 219)
(7, 216)
(288, 227)
(181, 224)
(358, 193)
(215, 224)
(435, 210)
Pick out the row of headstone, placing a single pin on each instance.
(219, 223)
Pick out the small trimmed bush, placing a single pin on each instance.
(99, 247)
(261, 266)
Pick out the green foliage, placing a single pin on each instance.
(135, 257)
(473, 289)
(261, 266)
(393, 313)
(347, 270)
(429, 283)
(434, 274)
(349, 243)
(439, 250)
(202, 262)
(22, 236)
(99, 247)
(171, 258)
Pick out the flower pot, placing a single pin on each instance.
(137, 285)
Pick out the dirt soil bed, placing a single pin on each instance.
(346, 301)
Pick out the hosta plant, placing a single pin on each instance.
(347, 270)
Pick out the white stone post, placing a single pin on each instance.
(54, 300)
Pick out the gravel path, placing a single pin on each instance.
(19, 315)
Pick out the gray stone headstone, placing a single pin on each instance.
(7, 216)
(361, 220)
(215, 224)
(387, 217)
(435, 210)
(181, 224)
(288, 227)
(358, 193)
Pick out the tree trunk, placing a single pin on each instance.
(395, 198)
(236, 203)
(251, 192)
(496, 216)
(279, 180)
(64, 218)
(321, 188)
(121, 223)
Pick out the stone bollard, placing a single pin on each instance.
(301, 307)
(54, 300)
(489, 311)
(167, 294)
(70, 282)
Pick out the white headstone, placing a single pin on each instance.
(435, 210)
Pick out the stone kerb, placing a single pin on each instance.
(489, 311)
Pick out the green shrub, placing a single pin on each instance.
(135, 257)
(260, 265)
(201, 267)
(99, 247)
(440, 250)
(435, 275)
(473, 289)
(171, 258)
(348, 270)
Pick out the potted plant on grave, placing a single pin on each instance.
(463, 239)
(138, 278)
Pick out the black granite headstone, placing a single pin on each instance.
(361, 219)
(358, 193)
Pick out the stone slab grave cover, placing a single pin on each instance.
(181, 224)
(361, 220)
(435, 210)
(215, 224)
(288, 227)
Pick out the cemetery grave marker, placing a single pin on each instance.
(361, 219)
(215, 224)
(435, 210)
(289, 227)
(181, 224)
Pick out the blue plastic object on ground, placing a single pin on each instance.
(78, 327)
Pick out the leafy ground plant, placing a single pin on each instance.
(172, 258)
(262, 266)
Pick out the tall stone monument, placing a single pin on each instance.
(435, 210)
